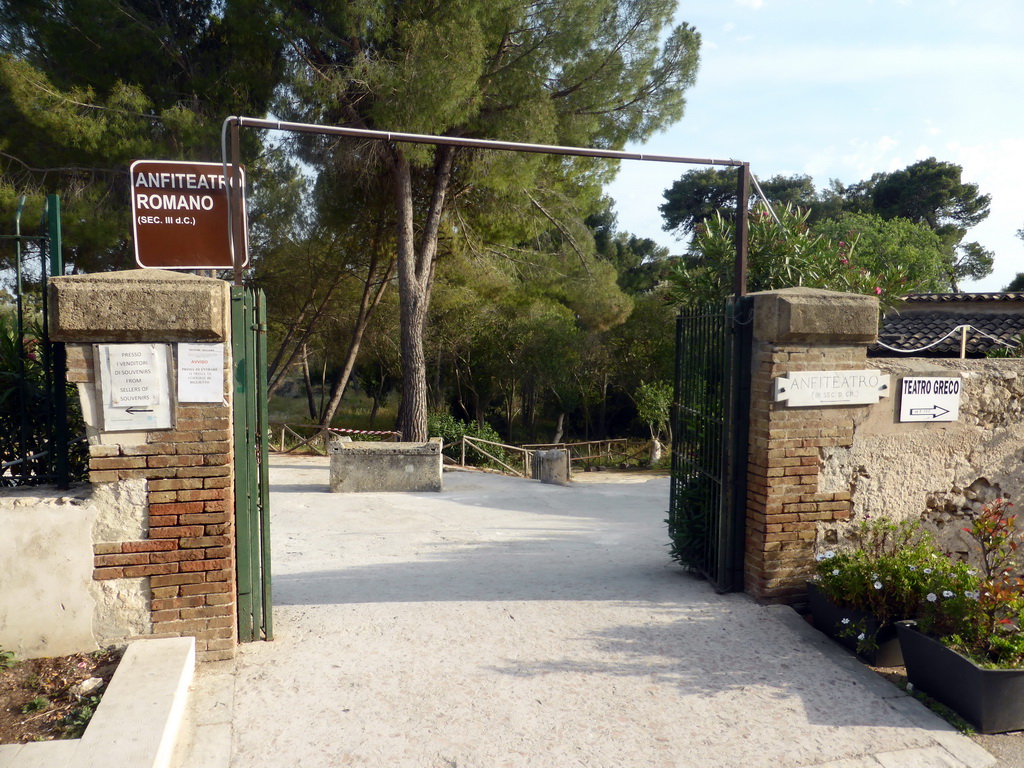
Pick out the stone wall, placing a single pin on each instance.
(815, 471)
(940, 473)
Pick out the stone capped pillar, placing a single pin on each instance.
(179, 558)
(797, 329)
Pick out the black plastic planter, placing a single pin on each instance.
(992, 700)
(828, 618)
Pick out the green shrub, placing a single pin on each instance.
(451, 430)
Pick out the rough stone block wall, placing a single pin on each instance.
(937, 473)
(784, 502)
(187, 547)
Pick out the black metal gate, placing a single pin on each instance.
(252, 497)
(707, 506)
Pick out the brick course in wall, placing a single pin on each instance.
(784, 506)
(189, 552)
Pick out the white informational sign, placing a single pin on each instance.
(930, 398)
(134, 386)
(818, 388)
(200, 373)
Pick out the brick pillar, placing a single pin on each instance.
(797, 329)
(187, 548)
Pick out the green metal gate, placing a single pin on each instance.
(707, 507)
(252, 498)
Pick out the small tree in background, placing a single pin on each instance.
(654, 406)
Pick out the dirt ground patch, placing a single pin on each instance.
(44, 699)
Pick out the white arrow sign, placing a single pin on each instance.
(930, 398)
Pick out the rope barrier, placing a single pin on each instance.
(361, 431)
(959, 328)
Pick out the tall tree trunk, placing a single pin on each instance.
(366, 306)
(415, 279)
(310, 400)
(375, 408)
(558, 428)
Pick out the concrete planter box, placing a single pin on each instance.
(828, 618)
(992, 700)
(373, 467)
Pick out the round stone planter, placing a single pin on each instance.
(992, 700)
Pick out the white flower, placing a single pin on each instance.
(835, 572)
(878, 585)
(931, 597)
(912, 567)
(946, 593)
(819, 557)
(860, 636)
(927, 570)
(846, 621)
(910, 687)
(829, 555)
(874, 575)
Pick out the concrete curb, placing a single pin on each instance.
(952, 750)
(138, 723)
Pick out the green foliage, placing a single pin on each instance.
(927, 195)
(983, 617)
(888, 572)
(74, 723)
(781, 254)
(689, 520)
(88, 88)
(1015, 351)
(919, 251)
(25, 405)
(654, 405)
(37, 704)
(699, 195)
(451, 431)
(7, 659)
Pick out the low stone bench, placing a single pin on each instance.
(370, 467)
(137, 723)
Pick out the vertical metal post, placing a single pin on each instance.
(58, 354)
(235, 196)
(262, 427)
(742, 195)
(24, 431)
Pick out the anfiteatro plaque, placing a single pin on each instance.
(180, 215)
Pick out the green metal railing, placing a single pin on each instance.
(252, 498)
(34, 416)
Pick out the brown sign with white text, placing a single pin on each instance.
(180, 215)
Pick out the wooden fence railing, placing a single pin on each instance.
(317, 441)
(591, 453)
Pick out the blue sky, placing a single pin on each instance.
(844, 88)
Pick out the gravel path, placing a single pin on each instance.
(504, 622)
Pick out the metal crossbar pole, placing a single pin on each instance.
(234, 122)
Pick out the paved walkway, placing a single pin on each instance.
(507, 623)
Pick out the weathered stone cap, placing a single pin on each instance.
(139, 305)
(429, 448)
(812, 315)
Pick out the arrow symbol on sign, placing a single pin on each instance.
(134, 409)
(935, 411)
